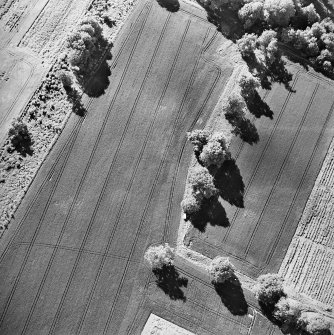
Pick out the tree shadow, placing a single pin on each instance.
(226, 21)
(258, 107)
(211, 212)
(169, 280)
(268, 308)
(232, 296)
(228, 181)
(96, 85)
(244, 128)
(171, 5)
(269, 72)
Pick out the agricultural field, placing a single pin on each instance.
(271, 181)
(72, 260)
(112, 171)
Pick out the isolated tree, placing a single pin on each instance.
(278, 13)
(269, 289)
(160, 256)
(247, 45)
(248, 85)
(190, 204)
(215, 152)
(198, 138)
(252, 14)
(20, 136)
(234, 109)
(201, 182)
(221, 270)
(314, 324)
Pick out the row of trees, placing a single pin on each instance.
(291, 315)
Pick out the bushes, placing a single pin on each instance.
(221, 270)
(247, 45)
(160, 256)
(190, 204)
(198, 138)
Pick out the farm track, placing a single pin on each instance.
(31, 72)
(72, 139)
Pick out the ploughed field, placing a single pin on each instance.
(276, 177)
(113, 183)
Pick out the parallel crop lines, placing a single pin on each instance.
(262, 155)
(281, 172)
(83, 178)
(141, 223)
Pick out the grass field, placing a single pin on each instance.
(72, 260)
(277, 175)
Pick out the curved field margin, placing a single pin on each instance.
(111, 180)
(279, 173)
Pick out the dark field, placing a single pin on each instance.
(72, 262)
(276, 177)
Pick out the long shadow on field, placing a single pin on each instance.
(269, 73)
(258, 107)
(171, 5)
(211, 212)
(244, 128)
(169, 280)
(228, 181)
(232, 296)
(97, 84)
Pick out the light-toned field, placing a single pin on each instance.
(309, 262)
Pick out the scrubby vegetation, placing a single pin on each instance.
(160, 256)
(221, 270)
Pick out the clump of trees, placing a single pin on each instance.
(85, 47)
(315, 42)
(160, 256)
(221, 270)
(210, 149)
